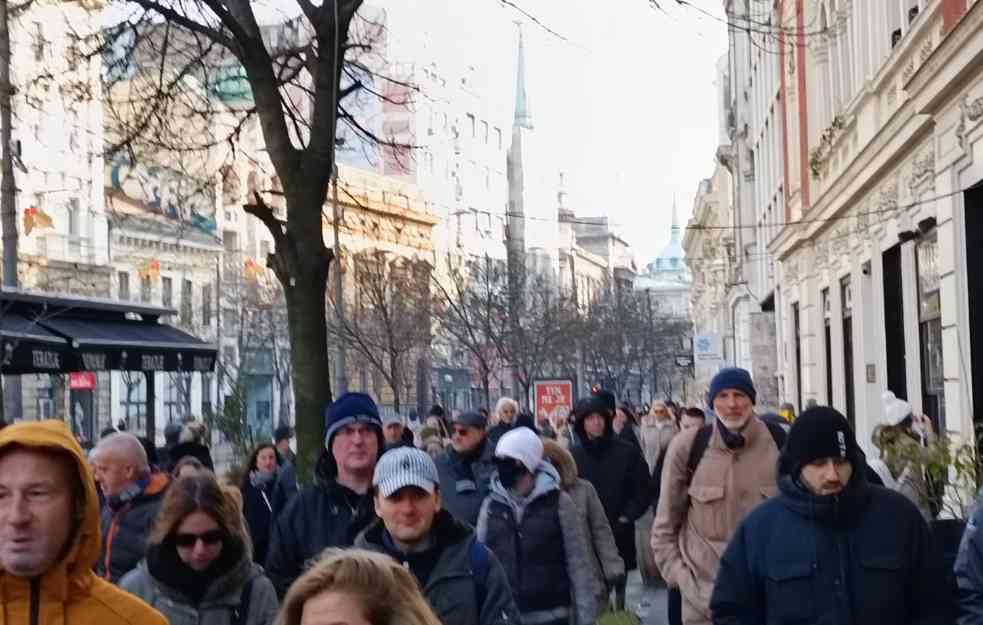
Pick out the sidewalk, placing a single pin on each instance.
(648, 603)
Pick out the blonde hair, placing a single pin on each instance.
(387, 592)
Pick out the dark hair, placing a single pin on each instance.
(253, 457)
(107, 432)
(693, 411)
(626, 408)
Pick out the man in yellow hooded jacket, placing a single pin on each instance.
(49, 535)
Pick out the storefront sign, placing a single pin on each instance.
(82, 381)
(554, 398)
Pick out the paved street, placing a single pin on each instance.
(649, 603)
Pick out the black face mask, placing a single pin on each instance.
(509, 471)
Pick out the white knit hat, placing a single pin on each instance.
(523, 445)
(895, 410)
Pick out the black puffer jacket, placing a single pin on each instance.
(320, 516)
(451, 585)
(464, 482)
(862, 556)
(619, 474)
(126, 521)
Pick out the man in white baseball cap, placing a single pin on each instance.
(462, 580)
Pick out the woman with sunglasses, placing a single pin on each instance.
(198, 568)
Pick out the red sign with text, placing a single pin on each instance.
(82, 381)
(554, 398)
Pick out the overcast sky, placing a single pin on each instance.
(624, 100)
(626, 105)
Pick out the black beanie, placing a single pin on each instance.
(819, 432)
(607, 398)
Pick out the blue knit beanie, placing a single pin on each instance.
(348, 409)
(731, 378)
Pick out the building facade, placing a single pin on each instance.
(879, 267)
(709, 247)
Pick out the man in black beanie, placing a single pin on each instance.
(830, 548)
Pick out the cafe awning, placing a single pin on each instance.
(46, 334)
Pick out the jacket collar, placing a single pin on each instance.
(840, 510)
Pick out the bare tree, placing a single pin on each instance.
(546, 323)
(387, 319)
(471, 311)
(612, 337)
(196, 72)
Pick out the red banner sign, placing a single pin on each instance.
(82, 381)
(554, 398)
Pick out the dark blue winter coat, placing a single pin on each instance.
(320, 516)
(860, 557)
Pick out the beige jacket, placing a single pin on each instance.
(655, 441)
(697, 517)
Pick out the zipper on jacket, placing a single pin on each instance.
(35, 602)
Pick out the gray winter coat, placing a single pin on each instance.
(462, 490)
(220, 603)
(578, 559)
(452, 590)
(594, 525)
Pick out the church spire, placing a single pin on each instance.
(523, 112)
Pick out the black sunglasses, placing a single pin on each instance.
(211, 537)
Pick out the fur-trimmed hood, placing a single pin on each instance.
(563, 461)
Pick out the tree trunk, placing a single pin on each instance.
(305, 286)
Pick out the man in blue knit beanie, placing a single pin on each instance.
(712, 478)
(334, 510)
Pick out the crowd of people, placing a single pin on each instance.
(487, 519)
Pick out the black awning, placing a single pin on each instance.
(28, 347)
(55, 335)
(130, 346)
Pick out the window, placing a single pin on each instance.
(930, 329)
(74, 227)
(166, 292)
(484, 129)
(498, 137)
(206, 395)
(828, 344)
(186, 300)
(124, 286)
(474, 125)
(146, 289)
(206, 305)
(846, 301)
(797, 337)
(230, 240)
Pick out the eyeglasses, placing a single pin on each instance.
(210, 538)
(462, 431)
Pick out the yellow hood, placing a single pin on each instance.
(55, 436)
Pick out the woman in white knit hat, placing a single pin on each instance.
(901, 438)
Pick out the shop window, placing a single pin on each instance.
(846, 300)
(930, 329)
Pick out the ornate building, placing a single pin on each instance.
(667, 277)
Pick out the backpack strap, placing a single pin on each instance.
(702, 440)
(700, 443)
(778, 434)
(480, 565)
(241, 612)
